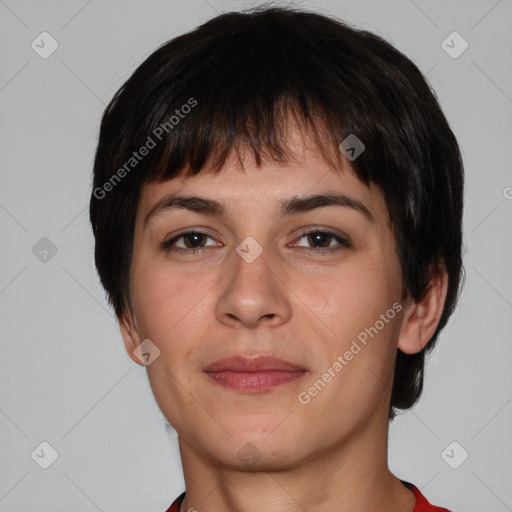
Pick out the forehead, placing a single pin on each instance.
(241, 184)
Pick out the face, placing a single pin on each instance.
(315, 285)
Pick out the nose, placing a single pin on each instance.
(253, 293)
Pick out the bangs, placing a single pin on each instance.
(245, 133)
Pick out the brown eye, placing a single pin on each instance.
(319, 238)
(192, 240)
(189, 241)
(324, 241)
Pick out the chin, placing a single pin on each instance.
(259, 458)
(259, 451)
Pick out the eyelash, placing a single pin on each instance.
(343, 242)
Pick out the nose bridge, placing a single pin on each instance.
(252, 289)
(251, 274)
(253, 254)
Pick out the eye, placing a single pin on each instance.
(323, 241)
(195, 242)
(191, 241)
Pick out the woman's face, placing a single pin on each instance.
(259, 283)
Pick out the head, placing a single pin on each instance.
(251, 110)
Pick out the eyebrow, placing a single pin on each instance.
(290, 206)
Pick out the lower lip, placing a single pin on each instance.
(254, 381)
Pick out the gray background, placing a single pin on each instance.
(64, 375)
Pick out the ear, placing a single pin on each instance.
(421, 317)
(131, 335)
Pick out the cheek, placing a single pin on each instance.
(347, 298)
(151, 294)
(347, 312)
(153, 285)
(168, 304)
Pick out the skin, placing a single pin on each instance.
(304, 307)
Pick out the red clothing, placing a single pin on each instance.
(422, 505)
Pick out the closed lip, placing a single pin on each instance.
(240, 363)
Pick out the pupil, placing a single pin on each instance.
(319, 238)
(194, 238)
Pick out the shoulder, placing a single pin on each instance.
(175, 507)
(422, 504)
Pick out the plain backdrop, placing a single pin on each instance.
(65, 378)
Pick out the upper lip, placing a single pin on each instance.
(242, 363)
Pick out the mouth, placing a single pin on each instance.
(256, 374)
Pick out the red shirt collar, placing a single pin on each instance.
(422, 505)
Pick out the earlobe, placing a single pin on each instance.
(421, 317)
(131, 336)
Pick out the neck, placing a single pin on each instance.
(350, 475)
